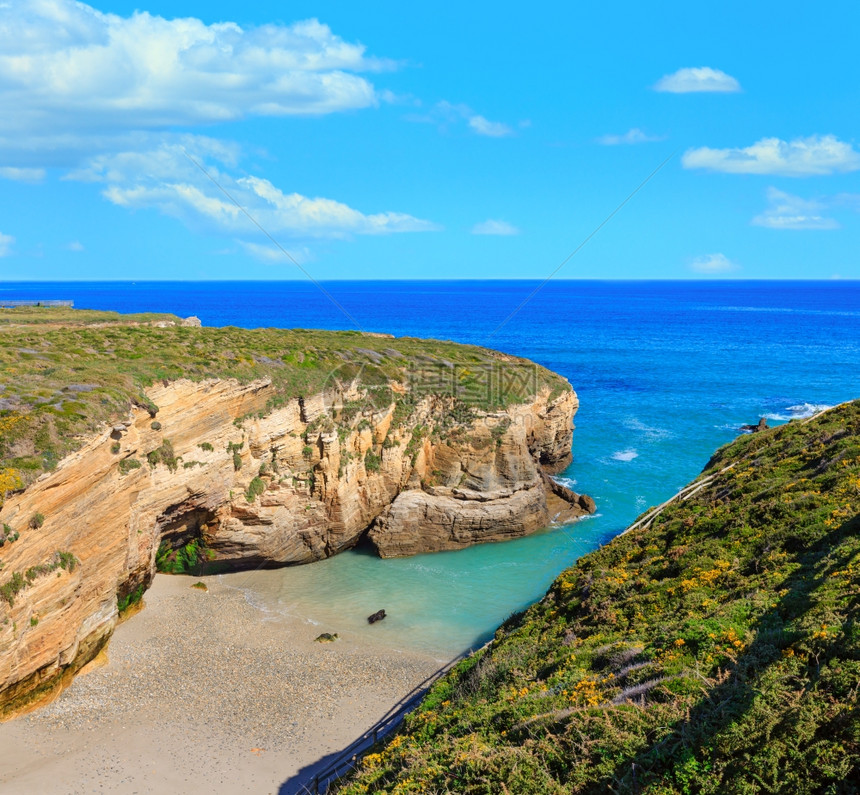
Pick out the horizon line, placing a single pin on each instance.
(834, 279)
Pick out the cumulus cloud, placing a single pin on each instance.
(494, 129)
(632, 136)
(815, 155)
(445, 114)
(697, 79)
(75, 246)
(167, 180)
(65, 66)
(32, 175)
(6, 242)
(792, 212)
(494, 227)
(714, 265)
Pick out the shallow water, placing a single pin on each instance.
(666, 372)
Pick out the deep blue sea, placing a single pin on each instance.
(666, 372)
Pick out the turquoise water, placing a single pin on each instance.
(666, 372)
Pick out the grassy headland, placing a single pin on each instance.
(66, 373)
(715, 651)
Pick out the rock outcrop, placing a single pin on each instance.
(246, 486)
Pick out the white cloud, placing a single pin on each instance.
(32, 175)
(65, 66)
(792, 212)
(803, 157)
(494, 129)
(6, 242)
(632, 136)
(75, 246)
(444, 114)
(272, 255)
(166, 179)
(697, 79)
(714, 264)
(851, 200)
(494, 227)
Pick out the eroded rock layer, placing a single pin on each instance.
(250, 486)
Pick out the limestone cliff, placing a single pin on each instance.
(218, 469)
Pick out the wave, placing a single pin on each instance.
(801, 411)
(569, 482)
(635, 424)
(624, 455)
(781, 310)
(577, 520)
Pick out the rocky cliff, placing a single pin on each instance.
(207, 475)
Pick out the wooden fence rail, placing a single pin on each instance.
(349, 757)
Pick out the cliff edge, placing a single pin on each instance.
(303, 444)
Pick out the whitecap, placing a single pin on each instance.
(801, 411)
(569, 482)
(625, 455)
(808, 409)
(635, 424)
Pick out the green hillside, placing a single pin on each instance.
(715, 651)
(65, 373)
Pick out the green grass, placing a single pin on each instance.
(67, 373)
(716, 651)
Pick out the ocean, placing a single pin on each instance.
(666, 372)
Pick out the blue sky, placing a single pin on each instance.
(385, 140)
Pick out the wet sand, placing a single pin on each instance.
(202, 692)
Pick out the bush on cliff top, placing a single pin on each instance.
(68, 372)
(716, 651)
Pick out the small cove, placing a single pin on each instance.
(665, 372)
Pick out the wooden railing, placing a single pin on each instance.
(348, 758)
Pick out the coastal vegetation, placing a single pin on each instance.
(18, 581)
(714, 648)
(191, 558)
(68, 373)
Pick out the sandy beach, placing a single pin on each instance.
(203, 692)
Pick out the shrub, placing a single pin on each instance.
(66, 561)
(206, 446)
(115, 448)
(372, 461)
(123, 603)
(163, 455)
(237, 461)
(33, 621)
(255, 488)
(37, 520)
(307, 451)
(168, 456)
(12, 587)
(128, 464)
(8, 534)
(156, 426)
